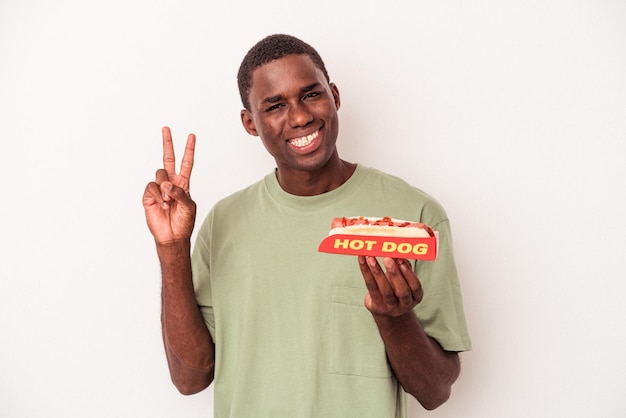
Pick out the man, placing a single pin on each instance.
(287, 331)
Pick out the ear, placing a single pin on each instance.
(248, 122)
(335, 91)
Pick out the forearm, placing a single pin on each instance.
(188, 344)
(422, 367)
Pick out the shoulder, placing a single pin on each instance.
(240, 197)
(375, 178)
(232, 208)
(398, 189)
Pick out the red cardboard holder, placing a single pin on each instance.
(380, 246)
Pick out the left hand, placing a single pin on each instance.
(393, 292)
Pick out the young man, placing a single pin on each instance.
(286, 331)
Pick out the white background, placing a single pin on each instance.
(512, 114)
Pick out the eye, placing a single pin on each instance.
(311, 95)
(274, 107)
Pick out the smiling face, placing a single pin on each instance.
(293, 109)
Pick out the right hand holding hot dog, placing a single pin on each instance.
(170, 212)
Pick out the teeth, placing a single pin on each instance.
(304, 141)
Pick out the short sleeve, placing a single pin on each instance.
(441, 311)
(201, 273)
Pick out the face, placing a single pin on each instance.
(293, 109)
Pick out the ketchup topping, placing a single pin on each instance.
(385, 221)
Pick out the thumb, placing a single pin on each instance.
(171, 192)
(368, 301)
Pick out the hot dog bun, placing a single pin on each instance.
(389, 227)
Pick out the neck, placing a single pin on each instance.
(312, 183)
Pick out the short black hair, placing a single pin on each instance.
(269, 49)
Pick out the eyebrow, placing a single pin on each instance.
(279, 97)
(309, 87)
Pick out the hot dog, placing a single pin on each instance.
(385, 226)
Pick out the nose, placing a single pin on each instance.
(299, 115)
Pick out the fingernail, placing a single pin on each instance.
(389, 263)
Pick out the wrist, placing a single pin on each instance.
(173, 244)
(173, 252)
(389, 321)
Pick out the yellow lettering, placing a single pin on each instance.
(420, 249)
(356, 244)
(404, 248)
(342, 243)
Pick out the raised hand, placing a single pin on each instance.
(393, 292)
(170, 212)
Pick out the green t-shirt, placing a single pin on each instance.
(293, 338)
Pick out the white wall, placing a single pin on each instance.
(512, 113)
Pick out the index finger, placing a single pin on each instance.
(169, 160)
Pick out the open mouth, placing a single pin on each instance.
(304, 141)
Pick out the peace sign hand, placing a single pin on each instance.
(170, 212)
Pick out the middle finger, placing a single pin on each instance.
(385, 287)
(396, 276)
